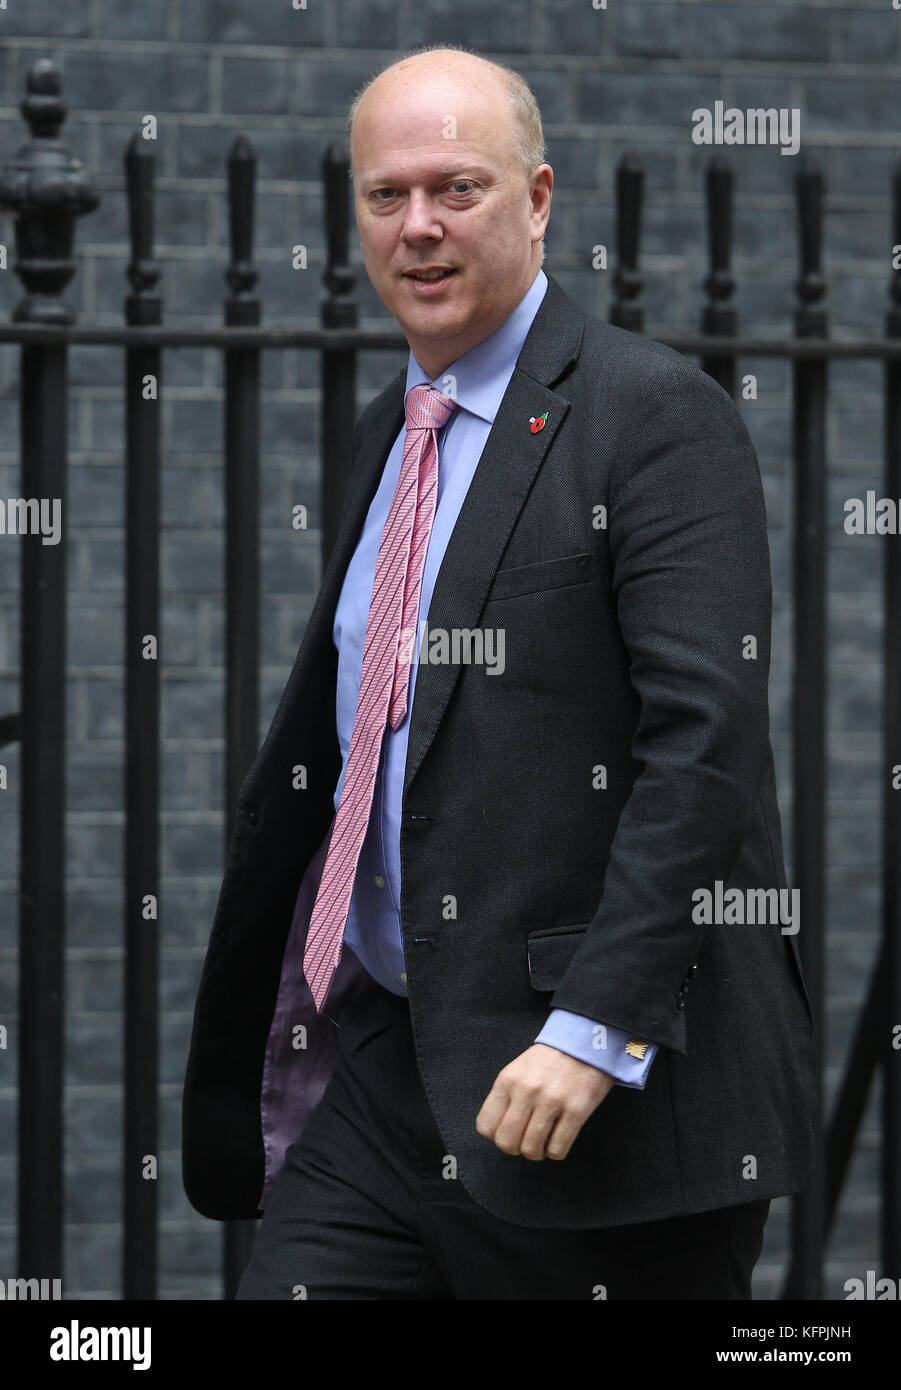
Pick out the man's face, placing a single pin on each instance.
(439, 190)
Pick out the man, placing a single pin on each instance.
(463, 1029)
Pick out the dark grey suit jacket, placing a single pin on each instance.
(625, 651)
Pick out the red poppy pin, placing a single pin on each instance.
(538, 422)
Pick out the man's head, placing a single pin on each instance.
(447, 155)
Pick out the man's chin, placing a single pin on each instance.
(431, 323)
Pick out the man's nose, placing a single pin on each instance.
(422, 219)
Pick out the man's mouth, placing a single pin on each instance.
(431, 276)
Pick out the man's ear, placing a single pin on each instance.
(541, 188)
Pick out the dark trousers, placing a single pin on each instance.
(362, 1209)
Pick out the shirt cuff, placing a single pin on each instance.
(600, 1045)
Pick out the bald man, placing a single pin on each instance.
(443, 1041)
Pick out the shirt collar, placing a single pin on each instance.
(483, 373)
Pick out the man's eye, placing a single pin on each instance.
(462, 185)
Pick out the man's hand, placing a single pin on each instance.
(540, 1101)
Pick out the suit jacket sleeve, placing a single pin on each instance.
(691, 581)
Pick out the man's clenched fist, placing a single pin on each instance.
(540, 1101)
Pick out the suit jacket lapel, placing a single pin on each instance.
(510, 460)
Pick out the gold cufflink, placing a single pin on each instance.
(636, 1049)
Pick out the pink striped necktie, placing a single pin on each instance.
(385, 674)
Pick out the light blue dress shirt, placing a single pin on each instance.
(477, 381)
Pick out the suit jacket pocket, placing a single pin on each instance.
(543, 574)
(550, 950)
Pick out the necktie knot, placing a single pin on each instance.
(427, 408)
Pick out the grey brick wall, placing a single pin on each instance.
(625, 78)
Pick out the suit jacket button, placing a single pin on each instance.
(252, 815)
